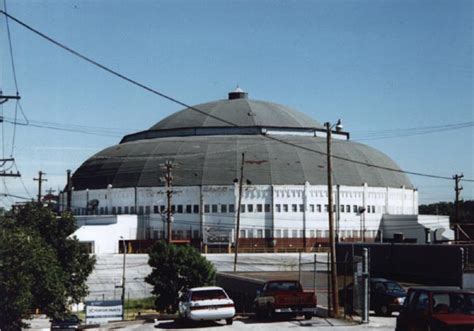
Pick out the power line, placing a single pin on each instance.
(388, 134)
(111, 71)
(172, 99)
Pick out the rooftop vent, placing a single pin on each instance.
(238, 93)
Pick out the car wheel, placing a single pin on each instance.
(270, 312)
(384, 311)
(229, 321)
(308, 316)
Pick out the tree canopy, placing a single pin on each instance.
(41, 266)
(466, 210)
(175, 268)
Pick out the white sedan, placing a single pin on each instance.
(206, 304)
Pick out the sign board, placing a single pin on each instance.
(101, 312)
(216, 236)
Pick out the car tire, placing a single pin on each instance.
(308, 316)
(229, 321)
(383, 310)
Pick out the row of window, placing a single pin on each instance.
(222, 208)
(258, 233)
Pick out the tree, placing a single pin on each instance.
(175, 268)
(53, 268)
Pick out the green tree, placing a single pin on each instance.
(175, 268)
(47, 269)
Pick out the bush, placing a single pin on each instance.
(175, 268)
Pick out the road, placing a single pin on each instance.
(243, 323)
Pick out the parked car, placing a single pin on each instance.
(437, 308)
(386, 296)
(206, 304)
(284, 296)
(69, 322)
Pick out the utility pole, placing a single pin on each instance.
(123, 277)
(237, 229)
(332, 242)
(68, 191)
(168, 166)
(457, 189)
(40, 180)
(4, 161)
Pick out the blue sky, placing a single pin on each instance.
(377, 65)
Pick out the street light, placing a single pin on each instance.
(123, 277)
(332, 242)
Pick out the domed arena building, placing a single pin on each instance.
(187, 168)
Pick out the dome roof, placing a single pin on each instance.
(215, 160)
(207, 151)
(237, 112)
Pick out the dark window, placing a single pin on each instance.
(173, 209)
(119, 210)
(147, 210)
(180, 209)
(267, 208)
(155, 209)
(301, 208)
(223, 208)
(162, 209)
(285, 208)
(318, 208)
(231, 208)
(207, 209)
(368, 209)
(214, 209)
(294, 208)
(342, 208)
(354, 208)
(278, 208)
(113, 211)
(242, 208)
(259, 208)
(373, 209)
(326, 208)
(250, 208)
(311, 208)
(189, 209)
(132, 210)
(348, 208)
(196, 209)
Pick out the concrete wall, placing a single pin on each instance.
(104, 232)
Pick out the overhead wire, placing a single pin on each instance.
(172, 99)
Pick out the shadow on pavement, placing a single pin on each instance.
(297, 321)
(184, 324)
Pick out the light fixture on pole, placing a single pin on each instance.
(332, 242)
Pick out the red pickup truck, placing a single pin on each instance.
(284, 296)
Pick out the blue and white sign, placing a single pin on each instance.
(101, 312)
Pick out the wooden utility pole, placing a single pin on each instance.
(5, 161)
(40, 180)
(457, 189)
(168, 166)
(237, 229)
(68, 191)
(332, 241)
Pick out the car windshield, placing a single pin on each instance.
(208, 295)
(283, 286)
(453, 303)
(393, 287)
